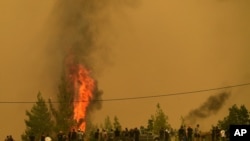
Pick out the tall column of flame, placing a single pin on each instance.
(83, 86)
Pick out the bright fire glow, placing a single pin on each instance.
(83, 85)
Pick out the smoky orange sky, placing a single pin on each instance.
(154, 48)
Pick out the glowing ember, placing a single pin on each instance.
(83, 85)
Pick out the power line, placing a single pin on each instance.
(179, 93)
(145, 97)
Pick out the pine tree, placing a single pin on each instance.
(117, 124)
(237, 115)
(160, 120)
(108, 124)
(150, 124)
(39, 119)
(63, 110)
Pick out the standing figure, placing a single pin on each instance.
(137, 134)
(181, 133)
(96, 135)
(42, 137)
(217, 133)
(11, 138)
(117, 134)
(197, 133)
(7, 138)
(161, 134)
(60, 136)
(80, 135)
(223, 135)
(48, 138)
(131, 134)
(104, 135)
(213, 133)
(189, 133)
(32, 137)
(126, 134)
(167, 135)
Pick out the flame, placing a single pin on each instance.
(83, 87)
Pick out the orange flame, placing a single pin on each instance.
(83, 85)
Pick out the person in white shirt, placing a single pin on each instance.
(223, 135)
(48, 138)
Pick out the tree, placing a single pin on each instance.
(160, 120)
(108, 124)
(150, 125)
(117, 123)
(39, 119)
(63, 112)
(237, 115)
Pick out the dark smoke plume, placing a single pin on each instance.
(211, 106)
(79, 25)
(75, 38)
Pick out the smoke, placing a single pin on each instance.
(79, 27)
(210, 107)
(77, 37)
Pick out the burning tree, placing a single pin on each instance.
(78, 39)
(78, 96)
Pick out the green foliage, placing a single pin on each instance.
(89, 133)
(63, 112)
(237, 115)
(150, 125)
(116, 123)
(108, 124)
(39, 119)
(159, 120)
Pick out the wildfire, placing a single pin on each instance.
(83, 87)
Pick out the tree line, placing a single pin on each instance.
(44, 118)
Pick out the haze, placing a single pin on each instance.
(153, 48)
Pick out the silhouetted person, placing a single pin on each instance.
(80, 135)
(32, 137)
(217, 133)
(167, 135)
(181, 133)
(161, 134)
(96, 135)
(126, 134)
(223, 135)
(104, 135)
(189, 133)
(137, 134)
(60, 136)
(11, 138)
(7, 138)
(117, 134)
(197, 134)
(72, 135)
(42, 137)
(213, 133)
(48, 138)
(131, 134)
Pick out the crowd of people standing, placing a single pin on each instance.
(184, 133)
(9, 138)
(117, 135)
(190, 134)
